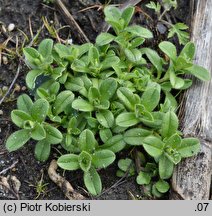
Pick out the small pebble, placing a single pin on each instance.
(13, 169)
(69, 41)
(5, 60)
(23, 88)
(11, 27)
(1, 112)
(161, 28)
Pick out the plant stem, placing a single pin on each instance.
(161, 16)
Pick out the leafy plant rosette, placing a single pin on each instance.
(97, 100)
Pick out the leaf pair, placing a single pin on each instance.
(182, 64)
(88, 160)
(30, 117)
(98, 99)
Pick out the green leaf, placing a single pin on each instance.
(187, 84)
(182, 63)
(199, 72)
(104, 38)
(153, 146)
(115, 143)
(58, 73)
(189, 147)
(72, 123)
(127, 15)
(156, 122)
(17, 139)
(133, 55)
(126, 119)
(127, 165)
(188, 51)
(108, 62)
(127, 97)
(168, 4)
(135, 43)
(108, 88)
(79, 66)
(112, 13)
(136, 136)
(31, 55)
(143, 178)
(68, 162)
(93, 182)
(154, 58)
(19, 117)
(103, 158)
(120, 173)
(24, 103)
(170, 99)
(174, 141)
(93, 55)
(92, 122)
(154, 6)
(155, 192)
(82, 105)
(102, 104)
(63, 50)
(169, 49)
(87, 141)
(176, 82)
(45, 47)
(53, 135)
(172, 155)
(42, 150)
(31, 78)
(139, 31)
(39, 110)
(105, 118)
(143, 114)
(124, 164)
(179, 30)
(85, 161)
(170, 124)
(63, 101)
(166, 167)
(38, 132)
(105, 134)
(151, 96)
(74, 84)
(93, 94)
(162, 186)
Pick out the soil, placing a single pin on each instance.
(27, 170)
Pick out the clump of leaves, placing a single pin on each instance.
(96, 100)
(178, 29)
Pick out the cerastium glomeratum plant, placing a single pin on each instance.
(96, 100)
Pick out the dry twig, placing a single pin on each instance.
(10, 184)
(12, 84)
(66, 187)
(68, 18)
(8, 168)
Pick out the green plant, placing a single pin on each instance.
(99, 99)
(178, 29)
